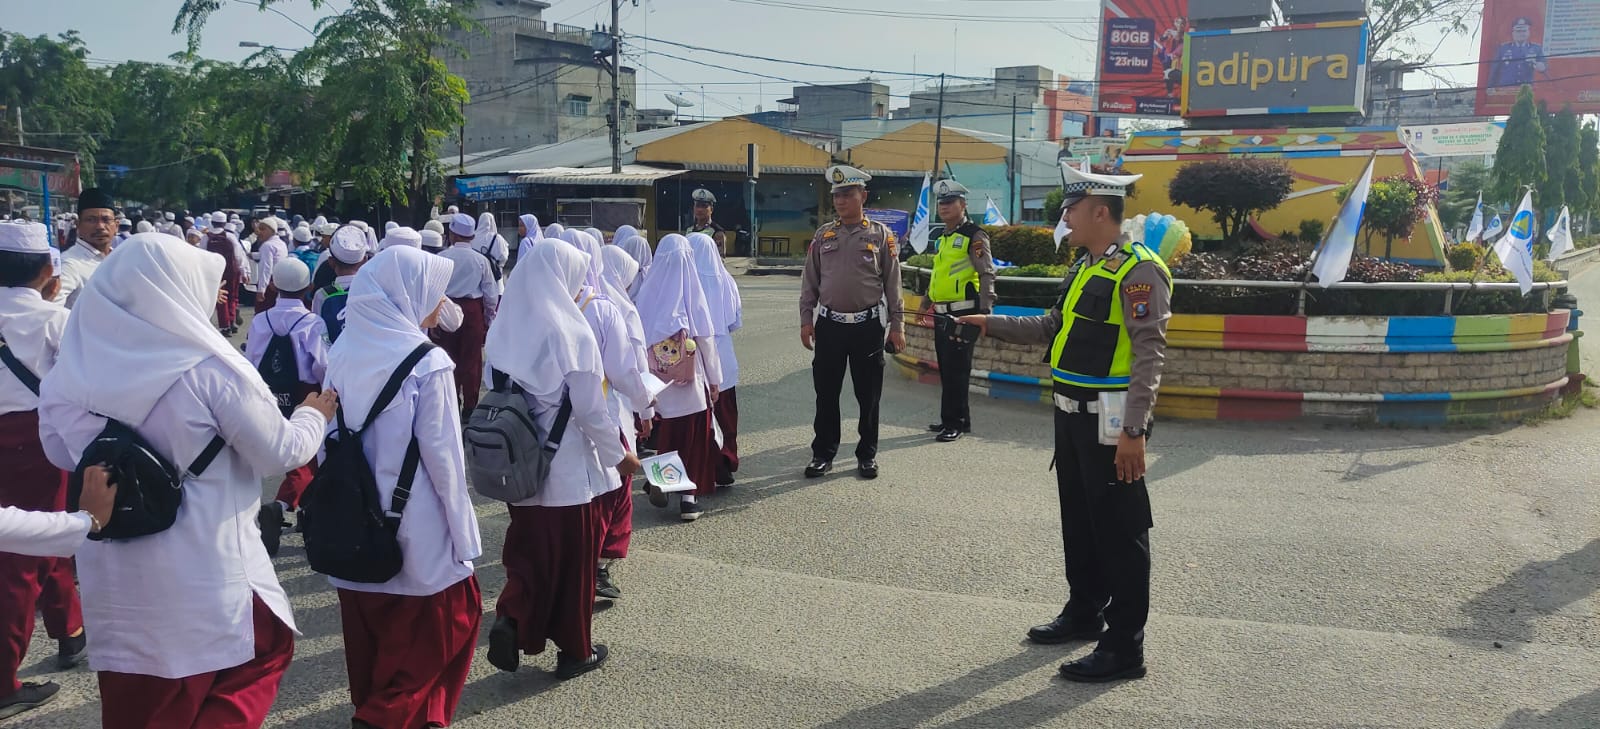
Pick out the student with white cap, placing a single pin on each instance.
(191, 625)
(473, 288)
(289, 347)
(401, 236)
(347, 252)
(219, 241)
(30, 336)
(269, 250)
(432, 240)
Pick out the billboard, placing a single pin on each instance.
(1467, 139)
(1288, 69)
(1554, 45)
(1141, 57)
(63, 184)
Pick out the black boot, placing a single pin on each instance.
(503, 651)
(1102, 666)
(1063, 630)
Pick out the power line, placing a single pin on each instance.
(915, 15)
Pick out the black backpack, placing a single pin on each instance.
(20, 370)
(149, 487)
(348, 534)
(332, 312)
(279, 367)
(494, 266)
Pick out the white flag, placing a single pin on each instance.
(1475, 228)
(1516, 248)
(1061, 231)
(1333, 260)
(991, 214)
(919, 221)
(1495, 228)
(1560, 235)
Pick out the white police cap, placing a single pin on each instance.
(843, 176)
(703, 195)
(949, 190)
(1080, 183)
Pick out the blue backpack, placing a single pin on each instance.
(332, 312)
(308, 257)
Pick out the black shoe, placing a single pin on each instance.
(1062, 630)
(605, 587)
(867, 468)
(936, 427)
(658, 498)
(949, 436)
(1102, 666)
(572, 668)
(72, 651)
(503, 651)
(271, 522)
(818, 466)
(688, 510)
(30, 696)
(724, 476)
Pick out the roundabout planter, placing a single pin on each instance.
(1410, 370)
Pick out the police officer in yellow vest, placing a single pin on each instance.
(1107, 335)
(962, 283)
(704, 203)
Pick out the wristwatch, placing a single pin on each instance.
(1133, 432)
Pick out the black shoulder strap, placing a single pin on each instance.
(29, 380)
(392, 387)
(408, 474)
(559, 428)
(203, 461)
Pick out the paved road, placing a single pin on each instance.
(1304, 577)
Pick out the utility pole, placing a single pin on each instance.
(461, 161)
(1011, 169)
(616, 87)
(20, 142)
(938, 132)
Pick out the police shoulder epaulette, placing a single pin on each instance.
(1113, 262)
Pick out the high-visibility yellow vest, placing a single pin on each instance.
(1092, 352)
(953, 272)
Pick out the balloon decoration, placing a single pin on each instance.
(1168, 236)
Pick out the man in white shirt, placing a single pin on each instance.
(97, 230)
(30, 335)
(473, 288)
(269, 250)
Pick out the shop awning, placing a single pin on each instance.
(788, 169)
(630, 175)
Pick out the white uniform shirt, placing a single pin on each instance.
(584, 466)
(728, 360)
(310, 336)
(499, 250)
(78, 263)
(321, 296)
(269, 253)
(626, 390)
(439, 528)
(32, 328)
(177, 603)
(42, 533)
(471, 278)
(679, 400)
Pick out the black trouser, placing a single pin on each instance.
(860, 347)
(955, 371)
(1105, 532)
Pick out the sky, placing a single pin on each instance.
(895, 37)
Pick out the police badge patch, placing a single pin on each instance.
(1138, 296)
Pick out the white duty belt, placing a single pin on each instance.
(858, 317)
(1068, 405)
(955, 306)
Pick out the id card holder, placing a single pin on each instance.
(1111, 407)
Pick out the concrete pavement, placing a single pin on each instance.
(1304, 577)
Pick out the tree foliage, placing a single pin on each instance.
(1395, 205)
(1232, 190)
(1589, 169)
(1396, 24)
(1456, 204)
(63, 101)
(1563, 181)
(1520, 158)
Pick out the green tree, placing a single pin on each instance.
(63, 101)
(1466, 181)
(383, 101)
(1394, 206)
(1395, 25)
(1232, 190)
(169, 146)
(1520, 158)
(1562, 179)
(1589, 169)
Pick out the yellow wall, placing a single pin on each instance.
(911, 148)
(1305, 203)
(724, 143)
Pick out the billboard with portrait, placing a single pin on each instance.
(1553, 45)
(1140, 69)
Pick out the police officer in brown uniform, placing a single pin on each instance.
(849, 293)
(1108, 336)
(704, 203)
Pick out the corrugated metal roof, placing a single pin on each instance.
(630, 175)
(787, 169)
(590, 151)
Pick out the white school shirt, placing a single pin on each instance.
(584, 466)
(32, 328)
(439, 528)
(321, 296)
(269, 253)
(178, 603)
(42, 533)
(626, 392)
(499, 250)
(679, 400)
(306, 330)
(78, 263)
(729, 361)
(471, 278)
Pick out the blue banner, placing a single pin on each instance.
(490, 187)
(898, 221)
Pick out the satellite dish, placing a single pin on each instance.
(679, 101)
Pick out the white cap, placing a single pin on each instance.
(169, 216)
(430, 239)
(703, 195)
(290, 274)
(1079, 183)
(234, 218)
(843, 176)
(462, 224)
(326, 229)
(302, 234)
(434, 226)
(401, 236)
(452, 210)
(949, 190)
(348, 245)
(24, 238)
(391, 225)
(218, 219)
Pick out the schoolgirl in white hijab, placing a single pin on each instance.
(530, 233)
(639, 249)
(553, 230)
(722, 297)
(486, 239)
(425, 618)
(545, 345)
(201, 597)
(672, 301)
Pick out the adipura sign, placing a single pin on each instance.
(1307, 68)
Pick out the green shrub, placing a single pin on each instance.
(1311, 230)
(1021, 245)
(921, 260)
(1464, 256)
(1037, 270)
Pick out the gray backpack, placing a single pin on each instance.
(507, 456)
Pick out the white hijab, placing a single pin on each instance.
(639, 249)
(389, 298)
(534, 234)
(598, 236)
(142, 321)
(617, 272)
(671, 299)
(623, 233)
(553, 230)
(545, 337)
(722, 294)
(483, 236)
(586, 243)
